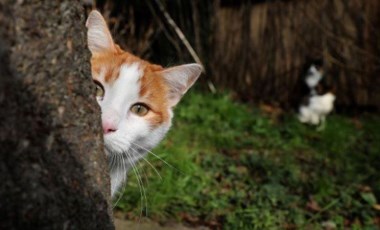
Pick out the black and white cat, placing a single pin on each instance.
(319, 101)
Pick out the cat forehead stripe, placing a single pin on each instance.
(124, 90)
(128, 82)
(131, 71)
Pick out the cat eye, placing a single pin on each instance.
(139, 109)
(99, 90)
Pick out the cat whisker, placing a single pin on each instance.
(117, 160)
(141, 185)
(113, 159)
(147, 161)
(122, 161)
(154, 168)
(158, 157)
(110, 155)
(132, 156)
(135, 163)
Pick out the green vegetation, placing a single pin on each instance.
(234, 167)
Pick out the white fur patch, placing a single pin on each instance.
(318, 108)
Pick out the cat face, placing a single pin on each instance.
(132, 97)
(135, 96)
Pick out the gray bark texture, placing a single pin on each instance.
(53, 170)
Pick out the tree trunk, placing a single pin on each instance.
(53, 171)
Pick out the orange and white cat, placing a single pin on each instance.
(135, 96)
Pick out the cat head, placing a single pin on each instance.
(135, 96)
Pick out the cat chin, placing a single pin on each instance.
(114, 145)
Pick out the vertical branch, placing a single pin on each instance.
(178, 31)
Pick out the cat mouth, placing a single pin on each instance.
(109, 137)
(115, 142)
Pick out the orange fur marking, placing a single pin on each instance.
(153, 90)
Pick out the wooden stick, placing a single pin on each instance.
(178, 32)
(164, 29)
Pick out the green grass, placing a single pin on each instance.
(234, 167)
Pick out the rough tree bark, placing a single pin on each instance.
(53, 170)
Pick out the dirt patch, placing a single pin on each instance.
(146, 224)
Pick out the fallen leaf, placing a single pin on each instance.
(313, 205)
(328, 225)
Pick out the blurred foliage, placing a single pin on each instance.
(235, 167)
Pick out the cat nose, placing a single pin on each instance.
(108, 127)
(110, 120)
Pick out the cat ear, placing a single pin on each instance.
(99, 38)
(179, 79)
